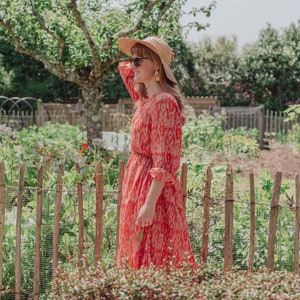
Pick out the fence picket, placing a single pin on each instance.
(228, 240)
(252, 223)
(38, 233)
(99, 212)
(80, 219)
(183, 181)
(297, 225)
(2, 218)
(206, 207)
(56, 226)
(121, 176)
(273, 221)
(262, 128)
(18, 271)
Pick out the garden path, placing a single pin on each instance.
(280, 157)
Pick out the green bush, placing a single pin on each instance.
(203, 138)
(294, 136)
(100, 283)
(52, 145)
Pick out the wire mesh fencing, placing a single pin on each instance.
(62, 227)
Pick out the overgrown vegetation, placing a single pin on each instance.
(293, 113)
(101, 283)
(203, 138)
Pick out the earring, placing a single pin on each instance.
(156, 75)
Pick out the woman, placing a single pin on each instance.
(153, 227)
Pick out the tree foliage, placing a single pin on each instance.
(216, 62)
(26, 77)
(270, 68)
(6, 78)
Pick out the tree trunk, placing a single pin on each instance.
(92, 100)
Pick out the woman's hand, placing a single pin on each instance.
(146, 215)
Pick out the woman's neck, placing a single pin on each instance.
(153, 88)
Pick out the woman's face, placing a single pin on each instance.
(143, 69)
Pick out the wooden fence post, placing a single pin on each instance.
(57, 209)
(38, 233)
(262, 127)
(2, 218)
(228, 221)
(18, 235)
(80, 219)
(40, 114)
(206, 207)
(121, 176)
(273, 221)
(183, 181)
(252, 223)
(99, 213)
(297, 226)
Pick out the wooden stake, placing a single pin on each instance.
(297, 226)
(18, 234)
(183, 181)
(121, 176)
(57, 209)
(38, 233)
(2, 218)
(273, 221)
(99, 213)
(206, 207)
(252, 223)
(228, 221)
(80, 219)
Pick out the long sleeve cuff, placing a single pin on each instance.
(162, 175)
(125, 68)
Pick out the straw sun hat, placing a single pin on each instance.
(157, 45)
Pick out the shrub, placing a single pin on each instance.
(203, 138)
(99, 283)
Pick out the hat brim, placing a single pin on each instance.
(126, 44)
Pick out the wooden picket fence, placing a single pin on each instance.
(115, 115)
(99, 190)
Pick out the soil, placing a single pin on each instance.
(279, 157)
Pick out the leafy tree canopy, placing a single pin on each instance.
(270, 68)
(77, 40)
(216, 62)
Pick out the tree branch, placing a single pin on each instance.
(138, 23)
(60, 40)
(71, 76)
(81, 24)
(163, 11)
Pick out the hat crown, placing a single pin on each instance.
(161, 48)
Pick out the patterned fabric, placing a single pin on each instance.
(156, 149)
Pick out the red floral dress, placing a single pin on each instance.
(156, 139)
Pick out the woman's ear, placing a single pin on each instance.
(156, 65)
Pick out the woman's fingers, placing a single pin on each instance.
(143, 222)
(146, 215)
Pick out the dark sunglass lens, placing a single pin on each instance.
(137, 61)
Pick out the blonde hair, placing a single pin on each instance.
(166, 84)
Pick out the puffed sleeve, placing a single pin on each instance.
(127, 74)
(166, 138)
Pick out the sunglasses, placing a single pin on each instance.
(136, 62)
